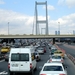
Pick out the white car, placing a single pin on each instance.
(53, 69)
(40, 50)
(54, 58)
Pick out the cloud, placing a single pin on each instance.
(67, 24)
(18, 23)
(2, 2)
(49, 7)
(23, 24)
(61, 2)
(69, 3)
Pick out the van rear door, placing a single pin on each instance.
(14, 65)
(24, 62)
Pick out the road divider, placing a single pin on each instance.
(71, 58)
(68, 55)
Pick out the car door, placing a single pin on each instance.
(24, 62)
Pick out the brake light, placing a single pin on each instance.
(61, 60)
(62, 74)
(42, 74)
(30, 65)
(8, 65)
(50, 60)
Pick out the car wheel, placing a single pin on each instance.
(35, 68)
(31, 73)
(10, 73)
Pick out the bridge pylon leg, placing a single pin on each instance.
(53, 41)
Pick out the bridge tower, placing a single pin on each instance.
(41, 21)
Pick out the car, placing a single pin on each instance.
(53, 69)
(40, 50)
(6, 56)
(5, 49)
(22, 60)
(60, 53)
(55, 58)
(37, 56)
(44, 47)
(53, 49)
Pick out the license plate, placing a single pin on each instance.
(14, 65)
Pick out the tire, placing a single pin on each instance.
(31, 73)
(10, 73)
(35, 68)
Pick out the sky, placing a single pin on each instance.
(18, 16)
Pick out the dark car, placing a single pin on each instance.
(37, 56)
(6, 57)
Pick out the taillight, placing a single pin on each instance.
(42, 74)
(8, 65)
(62, 74)
(61, 60)
(50, 60)
(30, 65)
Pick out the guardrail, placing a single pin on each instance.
(71, 58)
(1, 56)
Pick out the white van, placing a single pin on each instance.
(22, 60)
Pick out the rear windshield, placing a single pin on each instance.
(52, 68)
(58, 52)
(40, 48)
(19, 57)
(56, 57)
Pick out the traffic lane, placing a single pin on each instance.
(3, 66)
(70, 46)
(68, 50)
(44, 58)
(70, 66)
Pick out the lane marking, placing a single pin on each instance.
(3, 73)
(2, 60)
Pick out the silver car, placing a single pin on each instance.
(40, 50)
(54, 58)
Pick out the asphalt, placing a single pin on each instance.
(69, 50)
(70, 66)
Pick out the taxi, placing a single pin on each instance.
(5, 49)
(59, 52)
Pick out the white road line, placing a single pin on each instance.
(3, 73)
(2, 60)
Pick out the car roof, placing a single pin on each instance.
(55, 64)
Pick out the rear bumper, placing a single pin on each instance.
(20, 71)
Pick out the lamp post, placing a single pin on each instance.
(8, 28)
(58, 28)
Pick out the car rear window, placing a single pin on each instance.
(53, 68)
(56, 57)
(40, 48)
(19, 57)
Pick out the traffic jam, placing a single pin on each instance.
(29, 59)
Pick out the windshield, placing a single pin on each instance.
(40, 48)
(56, 57)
